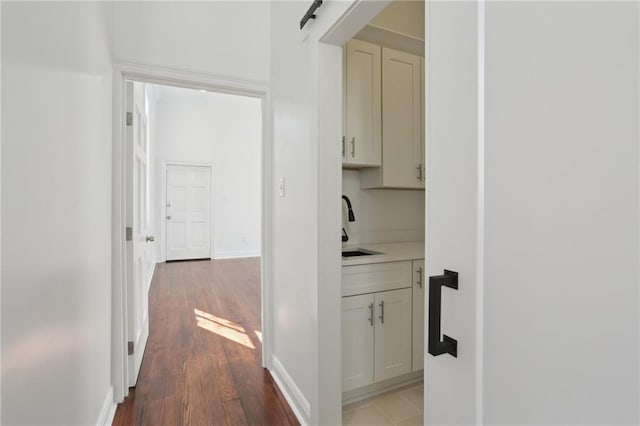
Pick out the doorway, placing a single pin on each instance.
(383, 172)
(174, 136)
(200, 241)
(450, 59)
(452, 112)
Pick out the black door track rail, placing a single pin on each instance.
(311, 13)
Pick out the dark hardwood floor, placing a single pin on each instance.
(202, 363)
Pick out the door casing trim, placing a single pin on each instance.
(122, 72)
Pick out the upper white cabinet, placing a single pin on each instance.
(361, 143)
(402, 133)
(423, 133)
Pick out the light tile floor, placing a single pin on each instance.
(402, 407)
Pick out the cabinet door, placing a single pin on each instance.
(423, 135)
(357, 341)
(363, 104)
(392, 334)
(344, 105)
(401, 132)
(417, 362)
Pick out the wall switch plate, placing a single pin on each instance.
(281, 187)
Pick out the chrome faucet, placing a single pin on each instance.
(352, 218)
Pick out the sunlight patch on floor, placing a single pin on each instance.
(222, 327)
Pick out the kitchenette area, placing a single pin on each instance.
(383, 219)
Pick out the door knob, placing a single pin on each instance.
(151, 238)
(168, 217)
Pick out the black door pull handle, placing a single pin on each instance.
(447, 345)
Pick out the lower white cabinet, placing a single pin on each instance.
(418, 315)
(392, 340)
(357, 341)
(376, 337)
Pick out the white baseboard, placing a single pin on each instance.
(300, 406)
(369, 391)
(236, 254)
(150, 277)
(108, 410)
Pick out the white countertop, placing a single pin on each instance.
(390, 252)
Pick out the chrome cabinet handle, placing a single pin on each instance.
(150, 238)
(343, 146)
(371, 314)
(353, 147)
(381, 312)
(419, 172)
(419, 282)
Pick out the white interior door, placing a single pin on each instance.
(139, 263)
(188, 212)
(533, 199)
(452, 210)
(561, 214)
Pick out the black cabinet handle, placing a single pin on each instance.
(447, 345)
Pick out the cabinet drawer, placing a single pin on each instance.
(360, 279)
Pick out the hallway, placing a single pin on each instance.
(202, 364)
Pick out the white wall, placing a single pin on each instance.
(382, 215)
(223, 38)
(561, 278)
(223, 130)
(306, 228)
(56, 221)
(294, 216)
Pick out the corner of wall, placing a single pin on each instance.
(299, 404)
(108, 410)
